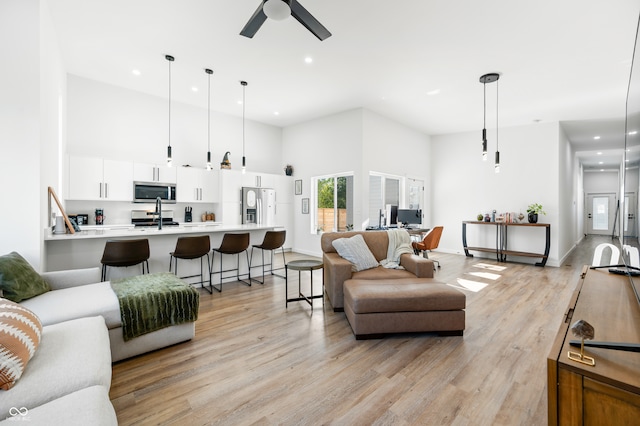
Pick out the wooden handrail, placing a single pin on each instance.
(66, 218)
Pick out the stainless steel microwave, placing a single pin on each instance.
(148, 192)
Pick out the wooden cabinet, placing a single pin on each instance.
(144, 172)
(196, 185)
(609, 392)
(91, 178)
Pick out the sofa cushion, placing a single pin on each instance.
(18, 280)
(377, 241)
(356, 251)
(20, 332)
(89, 406)
(405, 295)
(73, 355)
(382, 273)
(77, 302)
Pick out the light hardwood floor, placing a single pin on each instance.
(255, 362)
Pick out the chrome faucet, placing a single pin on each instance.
(159, 211)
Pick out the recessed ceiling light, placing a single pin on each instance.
(239, 102)
(194, 89)
(135, 72)
(601, 162)
(308, 60)
(599, 153)
(596, 137)
(276, 113)
(433, 92)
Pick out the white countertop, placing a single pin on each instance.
(119, 231)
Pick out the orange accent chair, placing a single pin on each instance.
(429, 242)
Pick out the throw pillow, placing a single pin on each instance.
(20, 333)
(356, 251)
(18, 280)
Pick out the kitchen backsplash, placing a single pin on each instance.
(119, 212)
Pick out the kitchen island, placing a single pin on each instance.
(84, 248)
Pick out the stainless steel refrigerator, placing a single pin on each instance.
(258, 206)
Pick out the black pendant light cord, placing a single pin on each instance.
(170, 59)
(244, 86)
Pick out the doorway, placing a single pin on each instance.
(600, 211)
(630, 208)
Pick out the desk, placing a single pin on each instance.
(609, 392)
(501, 248)
(303, 265)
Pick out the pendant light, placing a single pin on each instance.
(244, 163)
(170, 59)
(489, 78)
(209, 72)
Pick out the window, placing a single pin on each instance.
(384, 190)
(333, 203)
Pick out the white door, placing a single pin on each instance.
(601, 211)
(415, 195)
(630, 221)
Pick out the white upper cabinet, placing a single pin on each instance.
(230, 186)
(100, 179)
(196, 185)
(144, 172)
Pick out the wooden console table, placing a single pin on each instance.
(501, 248)
(609, 392)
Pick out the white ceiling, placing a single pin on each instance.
(562, 61)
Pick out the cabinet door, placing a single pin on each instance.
(284, 189)
(229, 213)
(188, 185)
(167, 174)
(147, 172)
(118, 180)
(230, 186)
(85, 178)
(284, 219)
(143, 172)
(209, 184)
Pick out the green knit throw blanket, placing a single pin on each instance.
(154, 301)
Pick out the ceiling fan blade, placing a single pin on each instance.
(306, 19)
(255, 22)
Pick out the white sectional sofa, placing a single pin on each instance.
(79, 293)
(68, 379)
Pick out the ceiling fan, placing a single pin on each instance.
(279, 10)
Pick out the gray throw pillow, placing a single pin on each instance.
(356, 251)
(18, 280)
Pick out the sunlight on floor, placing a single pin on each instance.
(490, 267)
(487, 275)
(474, 286)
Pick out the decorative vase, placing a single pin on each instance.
(288, 170)
(533, 217)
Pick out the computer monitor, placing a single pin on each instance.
(391, 214)
(409, 217)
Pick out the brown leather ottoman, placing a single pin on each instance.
(376, 307)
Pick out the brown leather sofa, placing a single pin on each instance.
(337, 270)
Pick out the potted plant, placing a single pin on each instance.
(288, 170)
(533, 211)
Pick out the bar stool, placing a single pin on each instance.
(121, 253)
(231, 244)
(192, 248)
(273, 240)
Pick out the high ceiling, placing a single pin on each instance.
(416, 61)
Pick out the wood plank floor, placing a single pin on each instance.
(255, 362)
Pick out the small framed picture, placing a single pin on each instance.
(299, 187)
(305, 206)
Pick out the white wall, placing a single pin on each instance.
(464, 186)
(327, 145)
(359, 141)
(114, 122)
(30, 82)
(567, 197)
(393, 148)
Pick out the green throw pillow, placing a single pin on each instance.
(18, 280)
